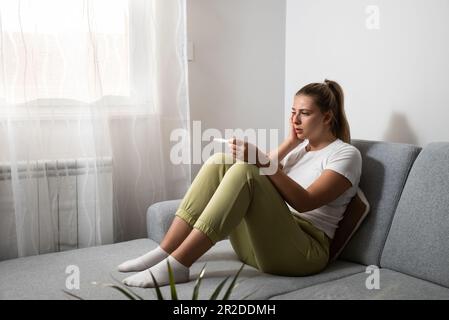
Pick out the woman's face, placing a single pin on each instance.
(308, 121)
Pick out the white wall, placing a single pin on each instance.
(237, 77)
(395, 78)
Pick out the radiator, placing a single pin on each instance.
(55, 205)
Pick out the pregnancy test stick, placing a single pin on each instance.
(221, 140)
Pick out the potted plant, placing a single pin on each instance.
(130, 294)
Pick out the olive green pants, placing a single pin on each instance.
(230, 197)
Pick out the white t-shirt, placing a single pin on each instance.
(306, 166)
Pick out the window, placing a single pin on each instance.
(63, 49)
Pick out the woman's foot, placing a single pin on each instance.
(143, 279)
(145, 261)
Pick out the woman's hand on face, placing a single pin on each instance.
(248, 152)
(293, 137)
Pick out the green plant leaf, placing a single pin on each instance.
(218, 289)
(129, 289)
(156, 287)
(231, 286)
(120, 289)
(72, 295)
(174, 296)
(249, 294)
(198, 283)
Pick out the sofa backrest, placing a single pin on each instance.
(385, 167)
(418, 241)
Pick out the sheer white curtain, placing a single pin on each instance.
(89, 94)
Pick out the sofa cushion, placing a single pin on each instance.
(392, 285)
(355, 213)
(264, 286)
(419, 236)
(44, 276)
(385, 168)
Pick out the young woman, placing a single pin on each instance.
(281, 223)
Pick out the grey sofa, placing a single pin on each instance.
(405, 236)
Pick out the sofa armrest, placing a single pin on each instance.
(160, 215)
(159, 218)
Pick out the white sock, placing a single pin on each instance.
(143, 279)
(145, 261)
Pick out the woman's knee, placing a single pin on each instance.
(220, 158)
(245, 168)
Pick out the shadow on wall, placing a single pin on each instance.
(399, 130)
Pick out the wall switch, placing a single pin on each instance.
(190, 51)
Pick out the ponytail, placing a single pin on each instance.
(328, 96)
